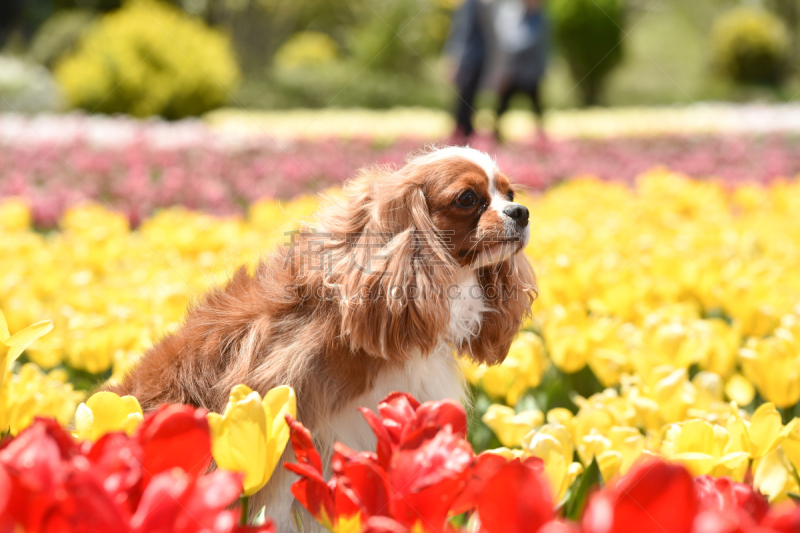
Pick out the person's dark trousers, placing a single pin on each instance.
(509, 90)
(469, 81)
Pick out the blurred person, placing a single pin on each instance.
(469, 44)
(522, 31)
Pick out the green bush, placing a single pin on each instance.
(343, 84)
(589, 35)
(398, 35)
(58, 35)
(149, 58)
(751, 46)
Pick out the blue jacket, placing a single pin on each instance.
(468, 43)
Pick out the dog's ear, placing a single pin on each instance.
(509, 289)
(394, 285)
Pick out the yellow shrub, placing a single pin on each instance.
(149, 58)
(306, 49)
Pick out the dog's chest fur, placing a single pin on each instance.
(434, 377)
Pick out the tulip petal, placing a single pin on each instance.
(175, 436)
(22, 339)
(654, 496)
(427, 480)
(239, 438)
(515, 500)
(310, 490)
(765, 427)
(278, 402)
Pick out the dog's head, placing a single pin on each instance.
(472, 204)
(407, 237)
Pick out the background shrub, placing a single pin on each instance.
(27, 87)
(149, 58)
(589, 35)
(58, 35)
(751, 46)
(306, 49)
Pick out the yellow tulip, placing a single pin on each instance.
(616, 450)
(739, 389)
(105, 412)
(473, 372)
(608, 365)
(774, 476)
(765, 430)
(609, 463)
(31, 393)
(522, 369)
(511, 427)
(251, 434)
(672, 392)
(705, 448)
(773, 365)
(567, 336)
(552, 443)
(15, 214)
(507, 453)
(715, 344)
(560, 415)
(791, 442)
(14, 345)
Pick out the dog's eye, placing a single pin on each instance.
(467, 199)
(510, 195)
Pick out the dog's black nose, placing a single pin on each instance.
(518, 213)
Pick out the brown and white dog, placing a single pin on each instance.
(416, 264)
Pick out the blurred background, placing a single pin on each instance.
(112, 99)
(282, 54)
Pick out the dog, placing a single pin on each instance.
(415, 266)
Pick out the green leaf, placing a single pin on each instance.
(794, 496)
(590, 478)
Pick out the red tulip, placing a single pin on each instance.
(728, 496)
(117, 459)
(384, 524)
(310, 490)
(267, 527)
(404, 423)
(484, 467)
(785, 518)
(7, 519)
(427, 480)
(515, 499)
(49, 483)
(177, 502)
(82, 505)
(430, 417)
(560, 526)
(363, 484)
(359, 488)
(654, 496)
(396, 411)
(418, 489)
(175, 436)
(32, 468)
(734, 521)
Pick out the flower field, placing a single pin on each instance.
(667, 329)
(138, 168)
